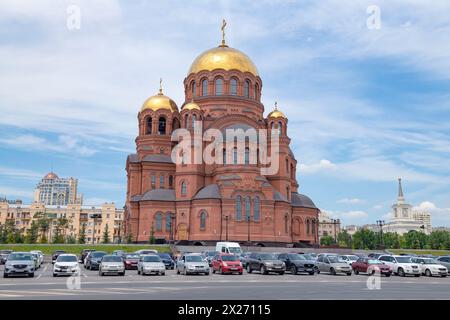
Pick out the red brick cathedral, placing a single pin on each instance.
(204, 203)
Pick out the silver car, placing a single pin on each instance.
(333, 264)
(19, 263)
(445, 261)
(111, 265)
(151, 263)
(192, 264)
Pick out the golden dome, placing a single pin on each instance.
(191, 106)
(159, 101)
(276, 113)
(223, 57)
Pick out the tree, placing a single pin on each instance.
(43, 223)
(2, 234)
(106, 234)
(71, 240)
(60, 227)
(152, 235)
(391, 240)
(32, 233)
(82, 234)
(129, 238)
(415, 240)
(439, 240)
(10, 231)
(365, 239)
(344, 239)
(327, 241)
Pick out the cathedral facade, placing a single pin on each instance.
(201, 203)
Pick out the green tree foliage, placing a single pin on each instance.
(106, 235)
(32, 233)
(82, 234)
(365, 239)
(344, 239)
(327, 241)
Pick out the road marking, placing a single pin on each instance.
(28, 292)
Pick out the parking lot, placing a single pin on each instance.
(221, 287)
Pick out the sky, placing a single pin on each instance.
(365, 105)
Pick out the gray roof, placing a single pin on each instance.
(156, 195)
(160, 158)
(209, 192)
(133, 157)
(277, 196)
(300, 200)
(229, 177)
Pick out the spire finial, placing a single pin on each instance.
(160, 86)
(276, 106)
(224, 24)
(400, 189)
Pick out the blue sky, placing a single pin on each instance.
(364, 106)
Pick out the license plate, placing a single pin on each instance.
(233, 268)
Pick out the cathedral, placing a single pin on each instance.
(199, 203)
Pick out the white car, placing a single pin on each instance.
(111, 265)
(149, 264)
(349, 258)
(430, 267)
(40, 255)
(66, 264)
(401, 265)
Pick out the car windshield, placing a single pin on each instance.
(404, 259)
(67, 259)
(235, 250)
(98, 254)
(374, 261)
(193, 259)
(295, 256)
(335, 259)
(20, 257)
(230, 258)
(353, 258)
(267, 256)
(132, 256)
(430, 261)
(151, 259)
(112, 259)
(308, 257)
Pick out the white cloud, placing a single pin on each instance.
(11, 192)
(316, 167)
(351, 201)
(24, 174)
(358, 214)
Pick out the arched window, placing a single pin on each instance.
(256, 91)
(162, 125)
(247, 208)
(168, 222)
(153, 181)
(161, 181)
(175, 124)
(193, 88)
(256, 209)
(186, 117)
(204, 87)
(233, 87)
(272, 128)
(286, 223)
(307, 226)
(219, 86)
(238, 208)
(203, 220)
(149, 125)
(288, 193)
(247, 89)
(235, 156)
(170, 182)
(314, 227)
(158, 222)
(183, 188)
(194, 118)
(287, 166)
(280, 128)
(224, 156)
(247, 156)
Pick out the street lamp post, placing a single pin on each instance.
(227, 218)
(172, 227)
(335, 222)
(248, 228)
(381, 223)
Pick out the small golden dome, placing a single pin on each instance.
(191, 106)
(223, 57)
(276, 113)
(159, 101)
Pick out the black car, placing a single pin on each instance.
(296, 263)
(56, 254)
(265, 263)
(4, 255)
(244, 258)
(84, 253)
(93, 260)
(167, 260)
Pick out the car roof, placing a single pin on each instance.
(67, 254)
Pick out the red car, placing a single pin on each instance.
(131, 261)
(370, 266)
(227, 263)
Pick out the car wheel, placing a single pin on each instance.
(349, 273)
(417, 275)
(206, 273)
(5, 275)
(332, 271)
(139, 272)
(428, 273)
(263, 269)
(55, 275)
(281, 273)
(401, 272)
(163, 274)
(178, 271)
(240, 273)
(249, 269)
(213, 270)
(356, 271)
(122, 274)
(294, 270)
(443, 276)
(388, 275)
(312, 273)
(220, 270)
(31, 275)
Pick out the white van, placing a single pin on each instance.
(229, 247)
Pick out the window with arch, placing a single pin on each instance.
(272, 128)
(193, 88)
(280, 128)
(307, 226)
(203, 220)
(238, 208)
(204, 87)
(287, 165)
(256, 209)
(183, 188)
(153, 181)
(158, 219)
(247, 156)
(224, 159)
(286, 223)
(161, 181)
(247, 88)
(235, 156)
(149, 125)
(186, 119)
(314, 227)
(168, 222)
(219, 86)
(233, 86)
(170, 182)
(247, 208)
(162, 125)
(256, 91)
(193, 118)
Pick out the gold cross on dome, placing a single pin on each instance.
(160, 86)
(224, 24)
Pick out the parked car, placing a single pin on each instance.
(265, 263)
(209, 256)
(37, 260)
(93, 259)
(151, 263)
(296, 263)
(111, 264)
(118, 253)
(401, 265)
(375, 255)
(192, 264)
(40, 256)
(430, 267)
(371, 266)
(229, 247)
(310, 256)
(19, 263)
(146, 251)
(349, 258)
(244, 259)
(131, 261)
(333, 264)
(66, 264)
(4, 255)
(84, 254)
(56, 254)
(167, 260)
(445, 261)
(226, 263)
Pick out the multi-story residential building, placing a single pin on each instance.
(94, 218)
(328, 226)
(351, 229)
(52, 190)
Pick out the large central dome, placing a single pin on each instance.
(223, 57)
